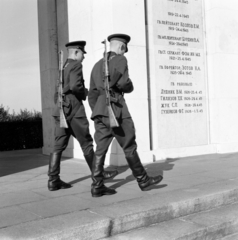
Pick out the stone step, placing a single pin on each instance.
(231, 237)
(116, 218)
(212, 224)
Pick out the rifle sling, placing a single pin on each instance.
(114, 95)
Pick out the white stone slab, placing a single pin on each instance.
(177, 45)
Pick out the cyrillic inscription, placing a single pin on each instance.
(180, 66)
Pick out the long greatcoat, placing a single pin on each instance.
(119, 82)
(74, 90)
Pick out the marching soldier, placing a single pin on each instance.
(120, 83)
(74, 92)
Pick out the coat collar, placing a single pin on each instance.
(69, 60)
(111, 55)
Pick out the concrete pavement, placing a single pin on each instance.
(29, 211)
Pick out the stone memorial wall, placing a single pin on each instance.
(185, 99)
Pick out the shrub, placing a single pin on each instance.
(24, 115)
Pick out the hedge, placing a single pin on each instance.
(21, 135)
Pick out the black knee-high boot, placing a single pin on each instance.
(144, 181)
(55, 183)
(106, 174)
(98, 188)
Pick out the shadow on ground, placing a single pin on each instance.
(153, 169)
(109, 168)
(12, 162)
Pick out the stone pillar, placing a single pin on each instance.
(48, 47)
(50, 40)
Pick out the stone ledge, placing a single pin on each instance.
(113, 219)
(219, 223)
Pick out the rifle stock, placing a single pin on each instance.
(112, 118)
(63, 122)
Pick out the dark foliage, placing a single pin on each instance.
(24, 115)
(20, 131)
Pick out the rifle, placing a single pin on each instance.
(63, 122)
(112, 119)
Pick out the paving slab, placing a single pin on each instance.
(76, 189)
(123, 194)
(14, 215)
(29, 185)
(16, 198)
(57, 206)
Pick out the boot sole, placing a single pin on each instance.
(55, 189)
(100, 195)
(152, 185)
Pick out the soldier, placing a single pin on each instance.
(74, 92)
(120, 83)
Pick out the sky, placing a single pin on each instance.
(19, 56)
